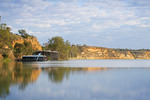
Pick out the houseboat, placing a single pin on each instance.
(38, 57)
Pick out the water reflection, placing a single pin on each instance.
(57, 74)
(41, 80)
(22, 74)
(15, 73)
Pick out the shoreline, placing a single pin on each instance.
(107, 58)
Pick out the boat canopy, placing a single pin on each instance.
(33, 56)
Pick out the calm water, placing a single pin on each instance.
(76, 80)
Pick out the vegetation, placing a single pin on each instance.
(58, 44)
(21, 75)
(65, 49)
(23, 49)
(74, 51)
(10, 74)
(131, 50)
(5, 35)
(6, 42)
(5, 60)
(23, 33)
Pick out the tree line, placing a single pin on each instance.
(65, 48)
(6, 42)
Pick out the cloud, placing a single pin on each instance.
(76, 17)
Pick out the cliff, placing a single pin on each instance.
(141, 54)
(33, 40)
(8, 46)
(90, 52)
(14, 46)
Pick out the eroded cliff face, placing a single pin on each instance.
(36, 45)
(33, 40)
(9, 52)
(105, 53)
(142, 55)
(1, 57)
(18, 39)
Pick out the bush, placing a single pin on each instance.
(5, 55)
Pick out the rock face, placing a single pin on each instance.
(36, 45)
(1, 57)
(105, 53)
(18, 39)
(142, 55)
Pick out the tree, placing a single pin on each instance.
(23, 33)
(74, 51)
(57, 44)
(28, 48)
(23, 49)
(19, 50)
(68, 48)
(5, 37)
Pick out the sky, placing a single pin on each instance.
(103, 23)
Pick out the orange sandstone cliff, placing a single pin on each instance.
(90, 52)
(33, 40)
(18, 39)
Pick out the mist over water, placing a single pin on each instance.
(76, 80)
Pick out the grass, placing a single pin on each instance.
(6, 60)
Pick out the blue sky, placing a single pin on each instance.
(104, 23)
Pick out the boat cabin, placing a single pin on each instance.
(33, 58)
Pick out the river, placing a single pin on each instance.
(75, 80)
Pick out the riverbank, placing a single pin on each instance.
(90, 52)
(6, 60)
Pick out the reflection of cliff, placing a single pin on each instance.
(89, 69)
(15, 73)
(90, 52)
(25, 75)
(4, 80)
(22, 74)
(57, 74)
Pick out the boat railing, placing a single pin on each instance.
(38, 56)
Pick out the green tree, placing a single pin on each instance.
(19, 50)
(28, 48)
(23, 33)
(57, 44)
(74, 51)
(5, 38)
(23, 49)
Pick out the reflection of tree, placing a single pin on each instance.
(4, 80)
(16, 73)
(4, 88)
(22, 74)
(57, 75)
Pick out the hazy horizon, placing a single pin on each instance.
(102, 23)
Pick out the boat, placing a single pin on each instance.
(38, 57)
